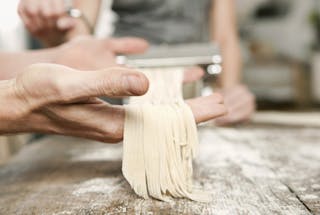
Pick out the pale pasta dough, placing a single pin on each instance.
(160, 140)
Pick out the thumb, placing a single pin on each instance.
(113, 82)
(51, 83)
(127, 45)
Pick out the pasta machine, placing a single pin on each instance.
(185, 55)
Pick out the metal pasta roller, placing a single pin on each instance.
(202, 54)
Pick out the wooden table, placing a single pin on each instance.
(253, 169)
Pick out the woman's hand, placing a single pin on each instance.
(240, 103)
(49, 98)
(88, 53)
(46, 20)
(84, 53)
(51, 23)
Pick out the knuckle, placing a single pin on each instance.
(56, 89)
(112, 135)
(107, 87)
(32, 11)
(112, 81)
(114, 132)
(47, 13)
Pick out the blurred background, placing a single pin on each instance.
(280, 42)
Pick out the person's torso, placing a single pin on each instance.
(163, 21)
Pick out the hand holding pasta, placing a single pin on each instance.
(160, 139)
(49, 98)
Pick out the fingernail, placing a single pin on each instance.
(136, 84)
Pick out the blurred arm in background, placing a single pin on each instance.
(238, 99)
(48, 21)
(84, 53)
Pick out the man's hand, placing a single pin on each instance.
(240, 103)
(55, 99)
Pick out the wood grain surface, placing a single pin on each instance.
(253, 169)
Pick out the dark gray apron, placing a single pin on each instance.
(163, 21)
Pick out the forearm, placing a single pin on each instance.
(232, 64)
(13, 63)
(8, 114)
(16, 114)
(223, 30)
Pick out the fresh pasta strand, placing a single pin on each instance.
(160, 140)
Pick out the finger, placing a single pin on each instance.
(65, 23)
(59, 12)
(239, 112)
(240, 116)
(207, 108)
(48, 14)
(67, 85)
(34, 11)
(126, 45)
(22, 14)
(30, 12)
(244, 100)
(59, 7)
(234, 96)
(92, 121)
(193, 74)
(26, 20)
(240, 103)
(235, 93)
(30, 24)
(85, 120)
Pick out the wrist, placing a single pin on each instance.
(13, 111)
(80, 29)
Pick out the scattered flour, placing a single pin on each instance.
(309, 197)
(97, 185)
(108, 153)
(301, 189)
(249, 159)
(316, 186)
